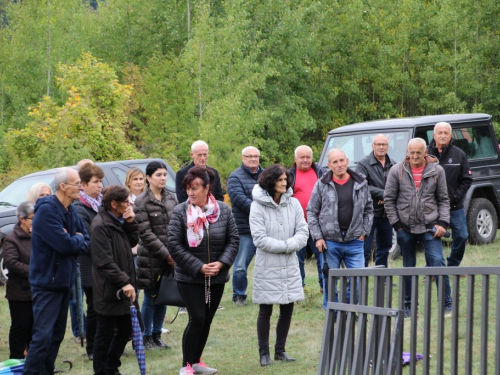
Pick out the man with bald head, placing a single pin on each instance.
(239, 187)
(417, 205)
(58, 238)
(199, 154)
(375, 168)
(458, 181)
(304, 174)
(340, 213)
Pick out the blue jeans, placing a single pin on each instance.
(433, 250)
(301, 255)
(50, 313)
(351, 252)
(245, 255)
(152, 315)
(458, 225)
(384, 241)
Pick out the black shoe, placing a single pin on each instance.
(158, 342)
(148, 342)
(265, 359)
(240, 301)
(283, 356)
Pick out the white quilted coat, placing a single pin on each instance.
(278, 232)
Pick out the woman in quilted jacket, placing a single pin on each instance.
(153, 210)
(278, 232)
(203, 240)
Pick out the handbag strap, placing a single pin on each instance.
(175, 317)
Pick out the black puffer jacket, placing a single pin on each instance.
(87, 214)
(153, 218)
(220, 243)
(112, 262)
(16, 257)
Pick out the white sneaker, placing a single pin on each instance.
(202, 368)
(183, 310)
(188, 370)
(165, 331)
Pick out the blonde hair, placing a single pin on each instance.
(130, 175)
(35, 190)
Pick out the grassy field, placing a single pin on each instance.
(232, 345)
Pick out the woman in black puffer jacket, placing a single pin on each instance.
(203, 241)
(153, 210)
(87, 207)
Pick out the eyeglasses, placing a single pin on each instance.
(252, 156)
(380, 144)
(78, 184)
(30, 218)
(128, 203)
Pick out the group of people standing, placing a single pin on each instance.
(125, 238)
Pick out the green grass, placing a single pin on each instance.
(232, 344)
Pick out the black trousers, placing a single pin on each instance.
(282, 326)
(21, 328)
(200, 319)
(91, 320)
(111, 337)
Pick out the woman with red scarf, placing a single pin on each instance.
(203, 240)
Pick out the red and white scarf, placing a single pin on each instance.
(198, 219)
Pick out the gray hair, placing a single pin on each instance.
(61, 177)
(25, 209)
(249, 148)
(35, 190)
(417, 140)
(297, 150)
(198, 143)
(442, 123)
(335, 150)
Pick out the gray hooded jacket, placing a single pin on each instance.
(322, 210)
(278, 231)
(417, 210)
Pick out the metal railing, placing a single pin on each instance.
(369, 337)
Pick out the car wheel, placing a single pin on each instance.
(482, 222)
(3, 272)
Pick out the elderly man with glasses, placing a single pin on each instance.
(239, 187)
(58, 238)
(375, 167)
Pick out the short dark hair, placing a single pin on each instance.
(270, 175)
(206, 175)
(153, 167)
(87, 171)
(115, 193)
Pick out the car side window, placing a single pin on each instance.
(120, 175)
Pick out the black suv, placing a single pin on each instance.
(473, 133)
(15, 193)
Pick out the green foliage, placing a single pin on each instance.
(235, 73)
(90, 124)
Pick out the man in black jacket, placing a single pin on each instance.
(239, 187)
(458, 181)
(199, 153)
(375, 167)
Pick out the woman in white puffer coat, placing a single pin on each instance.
(278, 230)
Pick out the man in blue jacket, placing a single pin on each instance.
(58, 237)
(239, 187)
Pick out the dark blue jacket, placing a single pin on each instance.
(55, 245)
(239, 187)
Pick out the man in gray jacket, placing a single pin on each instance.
(418, 208)
(340, 214)
(375, 168)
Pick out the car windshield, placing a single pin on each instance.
(16, 192)
(357, 146)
